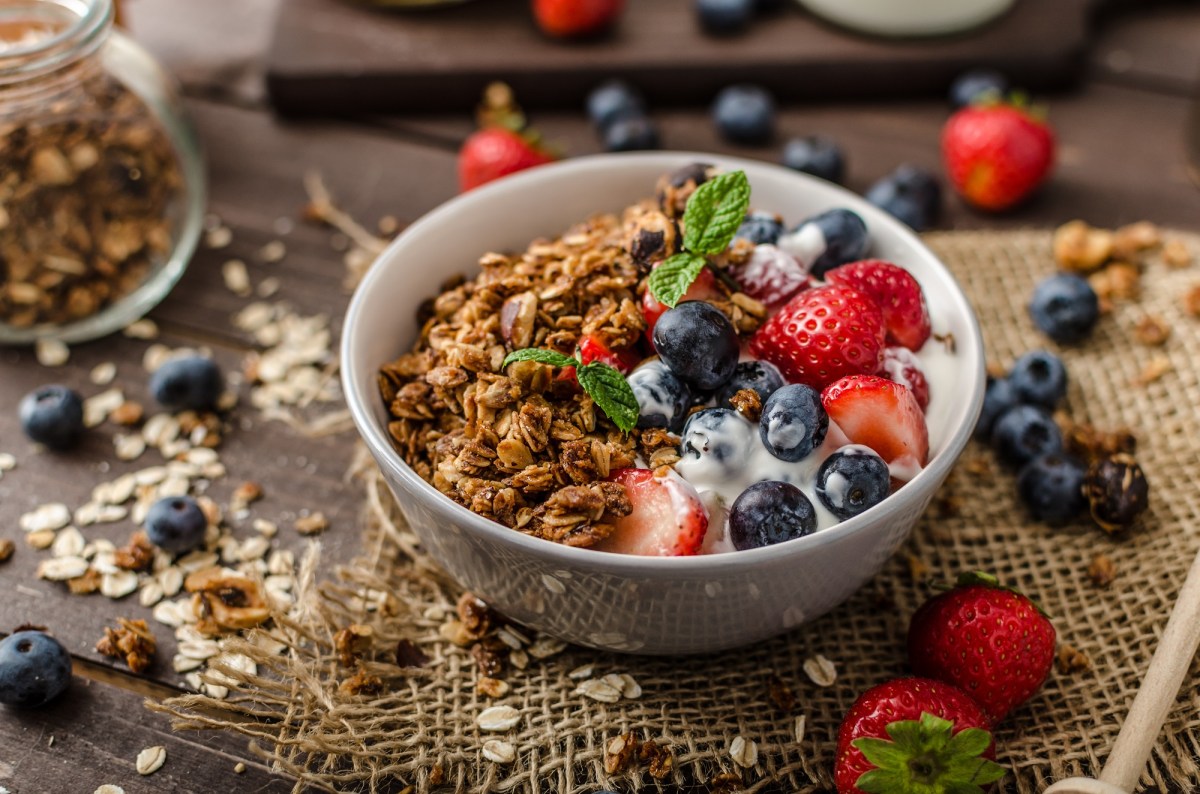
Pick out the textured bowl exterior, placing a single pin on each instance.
(619, 602)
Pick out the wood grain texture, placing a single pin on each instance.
(338, 58)
(92, 735)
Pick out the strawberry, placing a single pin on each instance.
(576, 18)
(902, 365)
(704, 288)
(880, 414)
(990, 641)
(495, 152)
(592, 349)
(996, 155)
(899, 296)
(939, 742)
(668, 519)
(771, 276)
(823, 334)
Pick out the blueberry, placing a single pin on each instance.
(696, 173)
(698, 343)
(745, 114)
(614, 100)
(911, 194)
(761, 228)
(816, 155)
(1051, 487)
(34, 669)
(52, 415)
(770, 512)
(851, 480)
(663, 399)
(631, 134)
(793, 422)
(719, 435)
(827, 240)
(760, 376)
(724, 17)
(176, 524)
(1025, 432)
(192, 383)
(1039, 378)
(977, 85)
(998, 398)
(1065, 308)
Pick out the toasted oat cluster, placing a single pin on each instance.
(525, 446)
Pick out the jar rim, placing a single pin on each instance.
(80, 27)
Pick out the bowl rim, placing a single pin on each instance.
(381, 448)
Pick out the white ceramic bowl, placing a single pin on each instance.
(618, 602)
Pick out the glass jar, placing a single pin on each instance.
(101, 179)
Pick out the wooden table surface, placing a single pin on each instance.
(1122, 159)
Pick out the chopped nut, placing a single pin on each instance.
(137, 555)
(361, 683)
(726, 783)
(352, 642)
(1176, 254)
(132, 641)
(311, 524)
(1080, 247)
(127, 413)
(1117, 281)
(7, 547)
(1102, 571)
(225, 603)
(1131, 240)
(437, 775)
(1151, 331)
(492, 687)
(246, 494)
(1154, 369)
(475, 615)
(1191, 301)
(86, 584)
(781, 694)
(619, 752)
(748, 403)
(409, 655)
(1070, 660)
(661, 761)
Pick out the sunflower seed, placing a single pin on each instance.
(820, 670)
(60, 569)
(498, 718)
(499, 752)
(103, 374)
(743, 751)
(53, 516)
(51, 352)
(151, 760)
(118, 584)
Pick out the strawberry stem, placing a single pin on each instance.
(928, 757)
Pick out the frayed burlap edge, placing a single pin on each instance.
(422, 732)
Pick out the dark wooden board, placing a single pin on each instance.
(92, 735)
(331, 57)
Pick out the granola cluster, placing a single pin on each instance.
(525, 446)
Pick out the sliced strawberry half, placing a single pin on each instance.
(668, 519)
(704, 288)
(880, 414)
(899, 296)
(902, 365)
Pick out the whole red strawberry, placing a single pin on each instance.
(996, 155)
(576, 18)
(899, 296)
(915, 735)
(495, 152)
(821, 335)
(991, 642)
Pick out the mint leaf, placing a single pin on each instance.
(611, 392)
(551, 357)
(714, 212)
(669, 281)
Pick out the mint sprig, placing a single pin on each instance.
(604, 384)
(714, 212)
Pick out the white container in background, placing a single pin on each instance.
(908, 17)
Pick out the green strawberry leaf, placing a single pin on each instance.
(611, 392)
(551, 357)
(969, 743)
(670, 281)
(714, 212)
(926, 757)
(882, 753)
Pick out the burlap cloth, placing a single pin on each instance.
(424, 724)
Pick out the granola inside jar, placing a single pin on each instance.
(101, 184)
